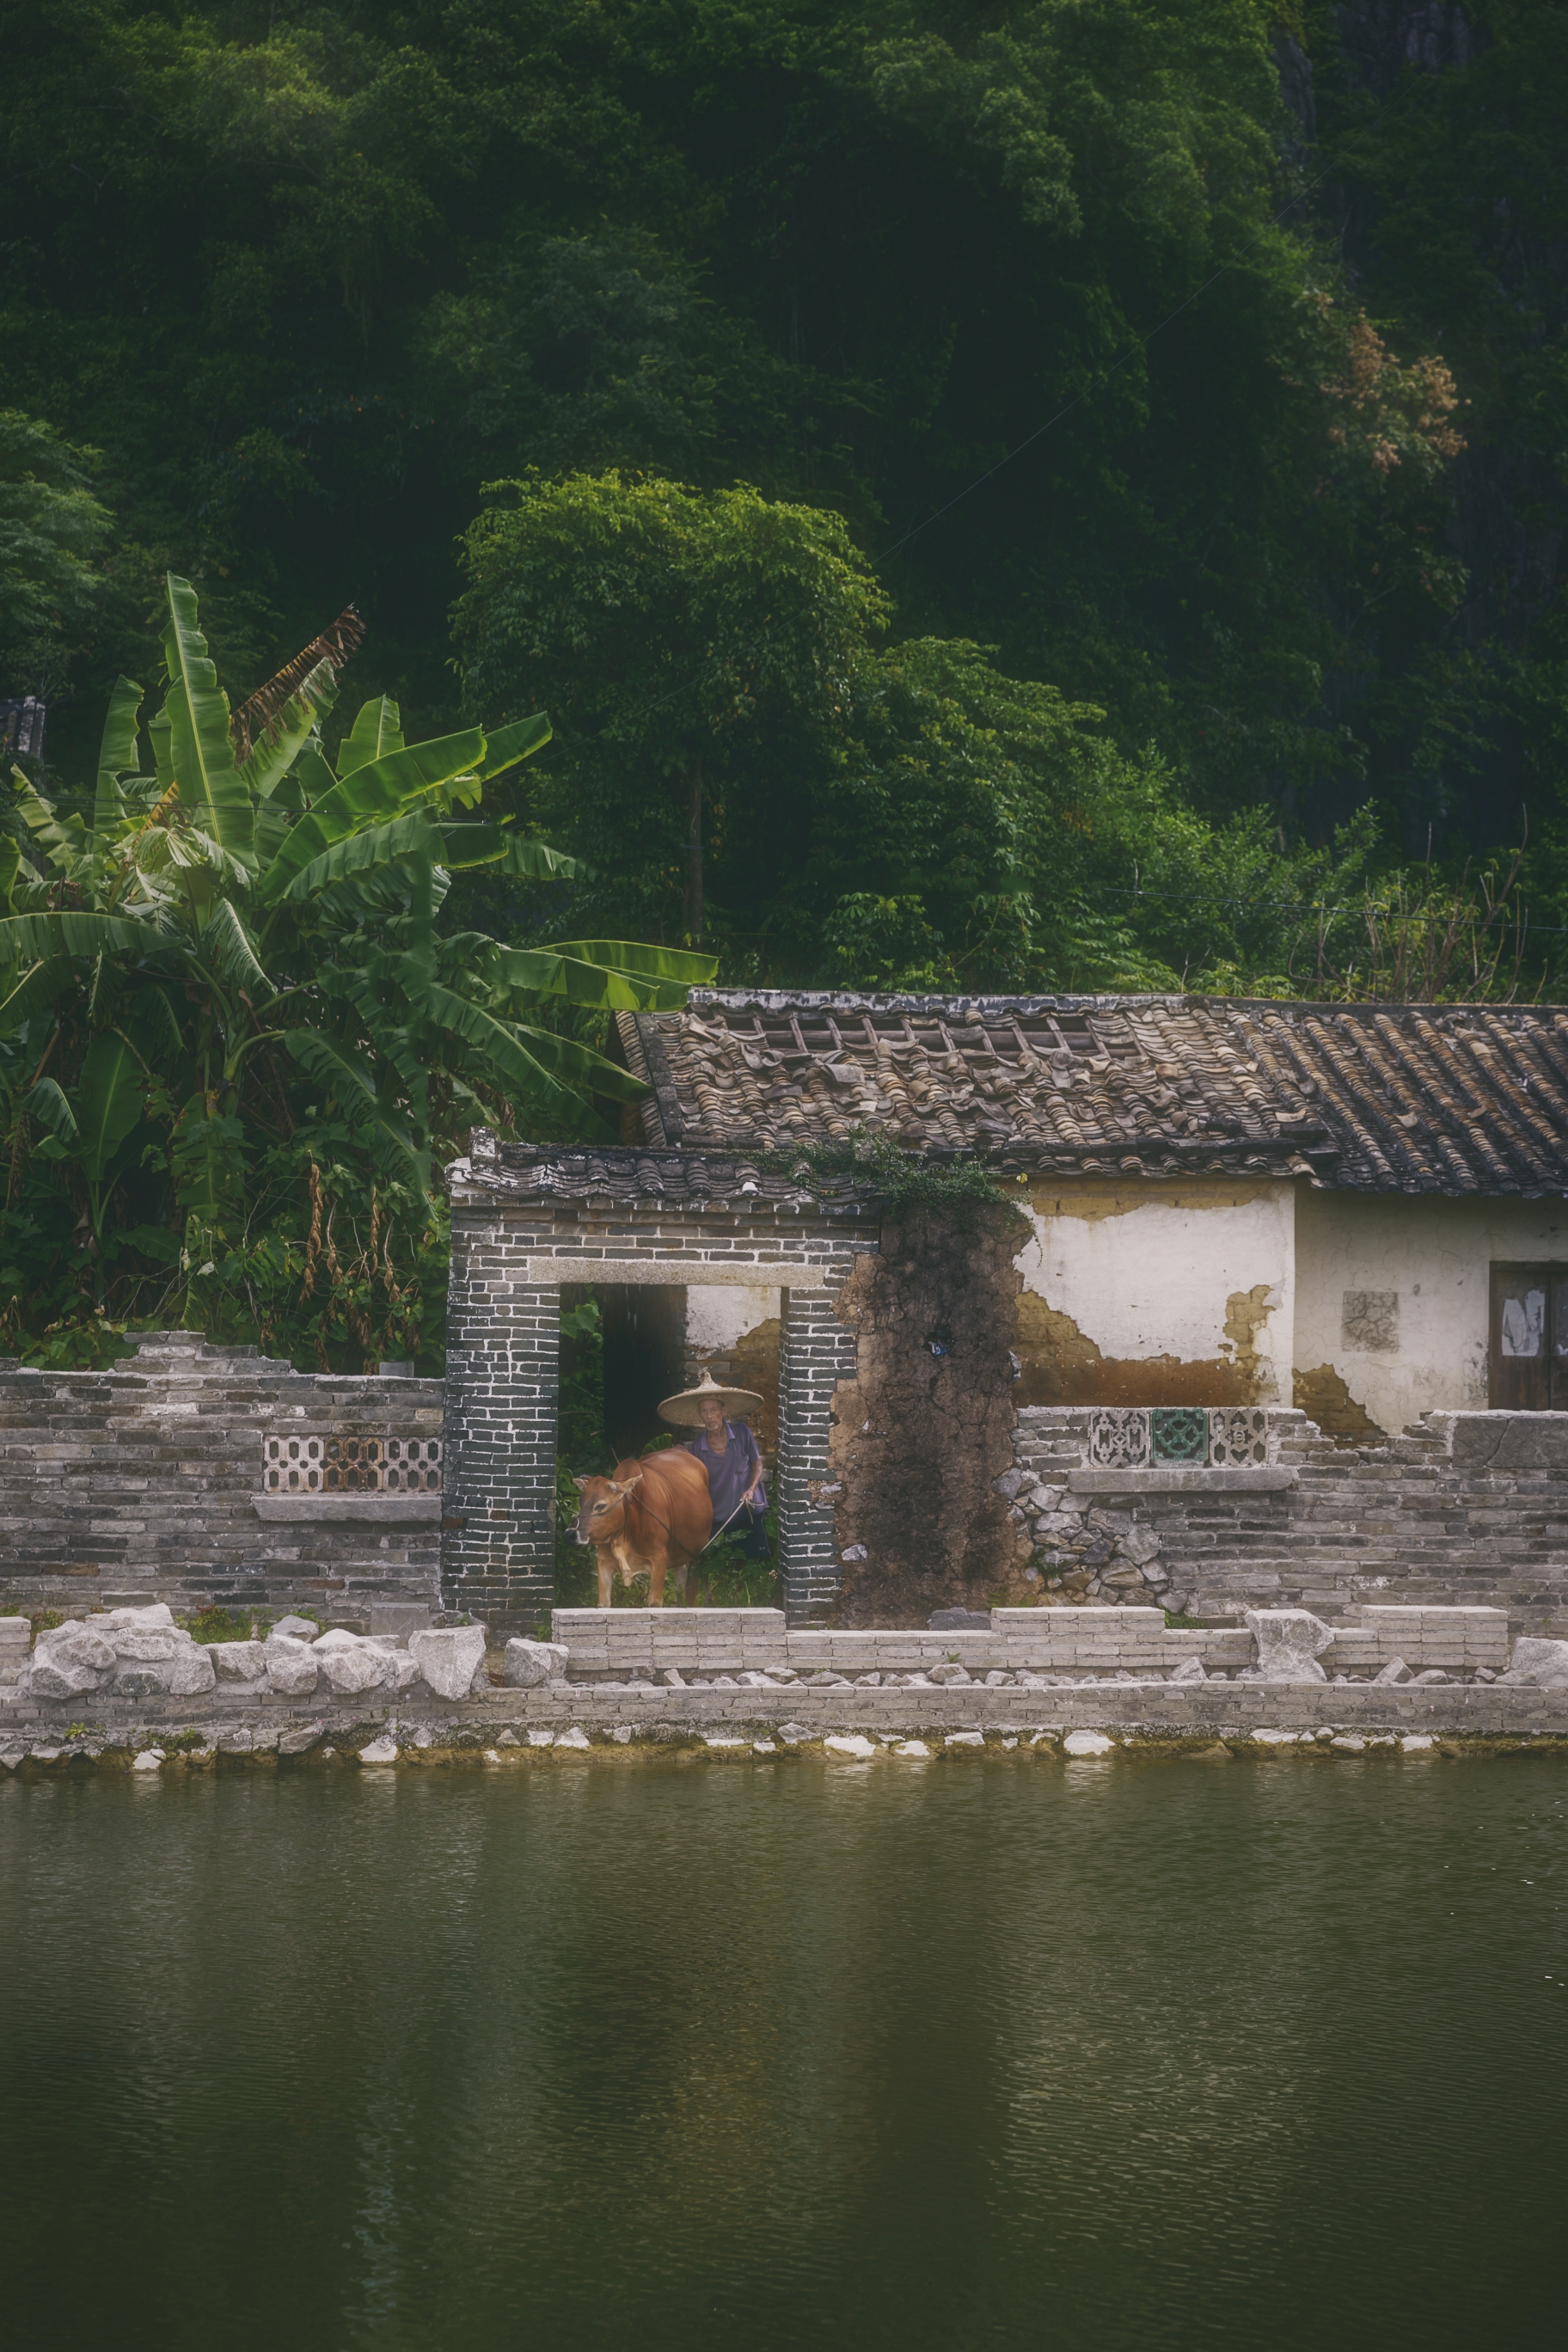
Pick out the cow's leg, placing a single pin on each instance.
(606, 1577)
(655, 1584)
(677, 1577)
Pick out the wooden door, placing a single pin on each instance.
(1529, 1353)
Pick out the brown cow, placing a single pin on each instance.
(654, 1514)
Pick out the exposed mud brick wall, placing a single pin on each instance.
(139, 1484)
(924, 1429)
(1464, 1510)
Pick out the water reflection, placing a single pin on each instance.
(677, 2055)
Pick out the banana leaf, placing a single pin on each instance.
(40, 985)
(381, 844)
(377, 730)
(497, 1045)
(547, 971)
(464, 846)
(49, 1104)
(676, 964)
(109, 1093)
(505, 746)
(115, 753)
(334, 1067)
(10, 865)
(382, 789)
(228, 945)
(70, 934)
(210, 783)
(271, 762)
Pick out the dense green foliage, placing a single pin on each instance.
(309, 275)
(1060, 493)
(227, 1013)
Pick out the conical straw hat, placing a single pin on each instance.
(687, 1407)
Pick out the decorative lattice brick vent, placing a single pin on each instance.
(1218, 1437)
(351, 1466)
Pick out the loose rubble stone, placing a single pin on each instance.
(721, 1740)
(300, 1628)
(965, 1739)
(76, 1644)
(1413, 1741)
(998, 1680)
(1288, 1642)
(1348, 1741)
(239, 1662)
(1087, 1743)
(849, 1745)
(1538, 1661)
(541, 1739)
(868, 1682)
(1396, 1671)
(295, 1742)
(292, 1667)
(148, 1760)
(576, 1737)
(352, 1667)
(1269, 1737)
(1191, 1670)
(915, 1749)
(1433, 1675)
(792, 1734)
(945, 1678)
(189, 1672)
(672, 1679)
(764, 1747)
(379, 1751)
(530, 1665)
(59, 1678)
(450, 1658)
(622, 1733)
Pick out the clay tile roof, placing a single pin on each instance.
(1361, 1097)
(534, 1171)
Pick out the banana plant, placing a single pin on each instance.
(180, 928)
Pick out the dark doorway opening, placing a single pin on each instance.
(644, 1359)
(1529, 1351)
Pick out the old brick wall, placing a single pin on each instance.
(140, 1483)
(1464, 1510)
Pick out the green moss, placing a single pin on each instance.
(215, 1624)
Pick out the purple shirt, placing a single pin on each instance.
(730, 1473)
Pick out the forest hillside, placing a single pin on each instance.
(1066, 495)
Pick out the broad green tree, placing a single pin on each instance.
(694, 648)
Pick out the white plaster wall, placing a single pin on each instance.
(1437, 1256)
(717, 1315)
(1149, 1271)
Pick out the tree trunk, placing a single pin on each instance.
(694, 859)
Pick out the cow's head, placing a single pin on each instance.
(604, 1508)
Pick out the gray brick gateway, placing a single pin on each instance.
(516, 1238)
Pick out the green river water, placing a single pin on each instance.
(670, 2055)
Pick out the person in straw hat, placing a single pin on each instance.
(728, 1450)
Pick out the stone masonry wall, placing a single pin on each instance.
(140, 1483)
(1463, 1509)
